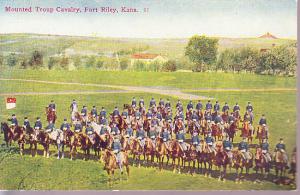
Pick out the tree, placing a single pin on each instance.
(64, 63)
(36, 59)
(202, 51)
(124, 63)
(170, 66)
(226, 60)
(90, 62)
(1, 60)
(51, 63)
(23, 63)
(12, 60)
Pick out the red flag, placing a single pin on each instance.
(11, 103)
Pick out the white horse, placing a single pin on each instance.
(57, 135)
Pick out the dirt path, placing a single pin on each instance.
(123, 89)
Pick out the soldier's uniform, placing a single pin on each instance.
(236, 107)
(89, 130)
(133, 102)
(116, 147)
(52, 105)
(265, 151)
(103, 121)
(26, 123)
(196, 141)
(152, 102)
(50, 127)
(199, 106)
(152, 136)
(103, 112)
(210, 141)
(208, 106)
(140, 135)
(263, 121)
(65, 126)
(14, 120)
(74, 106)
(243, 148)
(225, 108)
(103, 130)
(141, 102)
(190, 106)
(217, 107)
(208, 117)
(281, 147)
(168, 104)
(116, 112)
(227, 145)
(115, 130)
(84, 111)
(129, 133)
(78, 127)
(94, 112)
(218, 119)
(181, 139)
(249, 107)
(161, 103)
(231, 118)
(38, 124)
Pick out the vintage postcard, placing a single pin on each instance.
(148, 95)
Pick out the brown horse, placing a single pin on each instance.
(110, 164)
(32, 140)
(208, 159)
(137, 151)
(162, 151)
(232, 130)
(149, 151)
(51, 115)
(19, 137)
(239, 163)
(44, 140)
(247, 131)
(280, 164)
(176, 152)
(261, 163)
(221, 161)
(192, 157)
(126, 144)
(8, 134)
(86, 145)
(74, 143)
(261, 133)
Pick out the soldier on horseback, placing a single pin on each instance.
(78, 126)
(65, 125)
(14, 121)
(236, 107)
(208, 106)
(89, 130)
(262, 120)
(50, 127)
(280, 147)
(196, 141)
(199, 105)
(152, 103)
(94, 112)
(141, 102)
(38, 124)
(129, 133)
(165, 135)
(210, 141)
(243, 147)
(140, 135)
(153, 134)
(181, 140)
(116, 112)
(103, 112)
(52, 105)
(115, 130)
(74, 109)
(265, 150)
(133, 102)
(217, 107)
(26, 123)
(249, 107)
(161, 103)
(225, 108)
(117, 147)
(190, 106)
(168, 104)
(84, 112)
(227, 145)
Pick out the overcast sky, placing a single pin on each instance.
(166, 18)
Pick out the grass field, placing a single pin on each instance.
(25, 172)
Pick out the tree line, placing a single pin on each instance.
(201, 53)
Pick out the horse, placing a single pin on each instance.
(280, 165)
(137, 151)
(232, 130)
(217, 131)
(192, 156)
(110, 164)
(44, 140)
(176, 152)
(126, 143)
(207, 159)
(74, 143)
(222, 160)
(261, 163)
(261, 133)
(58, 137)
(51, 115)
(86, 144)
(8, 134)
(149, 151)
(33, 140)
(19, 137)
(161, 152)
(293, 165)
(247, 131)
(240, 163)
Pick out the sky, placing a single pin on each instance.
(165, 18)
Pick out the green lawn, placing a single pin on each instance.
(38, 173)
(182, 80)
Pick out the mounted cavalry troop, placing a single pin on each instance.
(203, 137)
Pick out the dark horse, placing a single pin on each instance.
(176, 153)
(162, 151)
(8, 134)
(33, 140)
(240, 163)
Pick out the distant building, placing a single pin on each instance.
(268, 36)
(147, 58)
